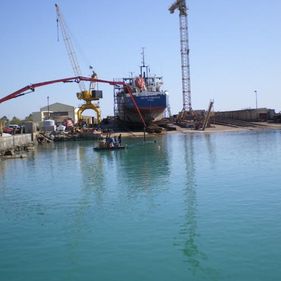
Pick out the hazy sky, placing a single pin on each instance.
(234, 50)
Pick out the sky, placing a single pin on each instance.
(234, 50)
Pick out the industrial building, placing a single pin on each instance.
(57, 112)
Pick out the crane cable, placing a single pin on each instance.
(58, 31)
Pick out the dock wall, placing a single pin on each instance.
(15, 140)
(260, 114)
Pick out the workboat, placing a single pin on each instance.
(110, 143)
(148, 95)
(108, 148)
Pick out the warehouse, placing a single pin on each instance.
(57, 112)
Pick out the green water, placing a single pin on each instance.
(188, 207)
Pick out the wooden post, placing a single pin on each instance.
(32, 132)
(1, 127)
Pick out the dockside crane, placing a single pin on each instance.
(77, 79)
(88, 95)
(186, 89)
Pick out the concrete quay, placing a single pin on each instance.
(15, 143)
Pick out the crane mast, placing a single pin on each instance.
(69, 47)
(87, 95)
(186, 89)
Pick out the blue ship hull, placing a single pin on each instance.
(147, 102)
(152, 107)
(147, 93)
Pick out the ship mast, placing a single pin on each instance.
(143, 66)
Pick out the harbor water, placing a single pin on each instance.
(186, 207)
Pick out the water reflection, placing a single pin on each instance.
(145, 166)
(93, 171)
(3, 182)
(2, 173)
(108, 177)
(210, 143)
(189, 229)
(191, 250)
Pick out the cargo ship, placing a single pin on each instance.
(146, 89)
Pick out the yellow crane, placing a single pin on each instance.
(88, 95)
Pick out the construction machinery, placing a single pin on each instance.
(186, 89)
(77, 79)
(208, 115)
(88, 95)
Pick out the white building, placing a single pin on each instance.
(56, 111)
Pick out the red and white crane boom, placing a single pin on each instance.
(77, 79)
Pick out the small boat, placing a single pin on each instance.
(108, 148)
(109, 144)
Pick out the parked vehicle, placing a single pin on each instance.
(8, 130)
(12, 129)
